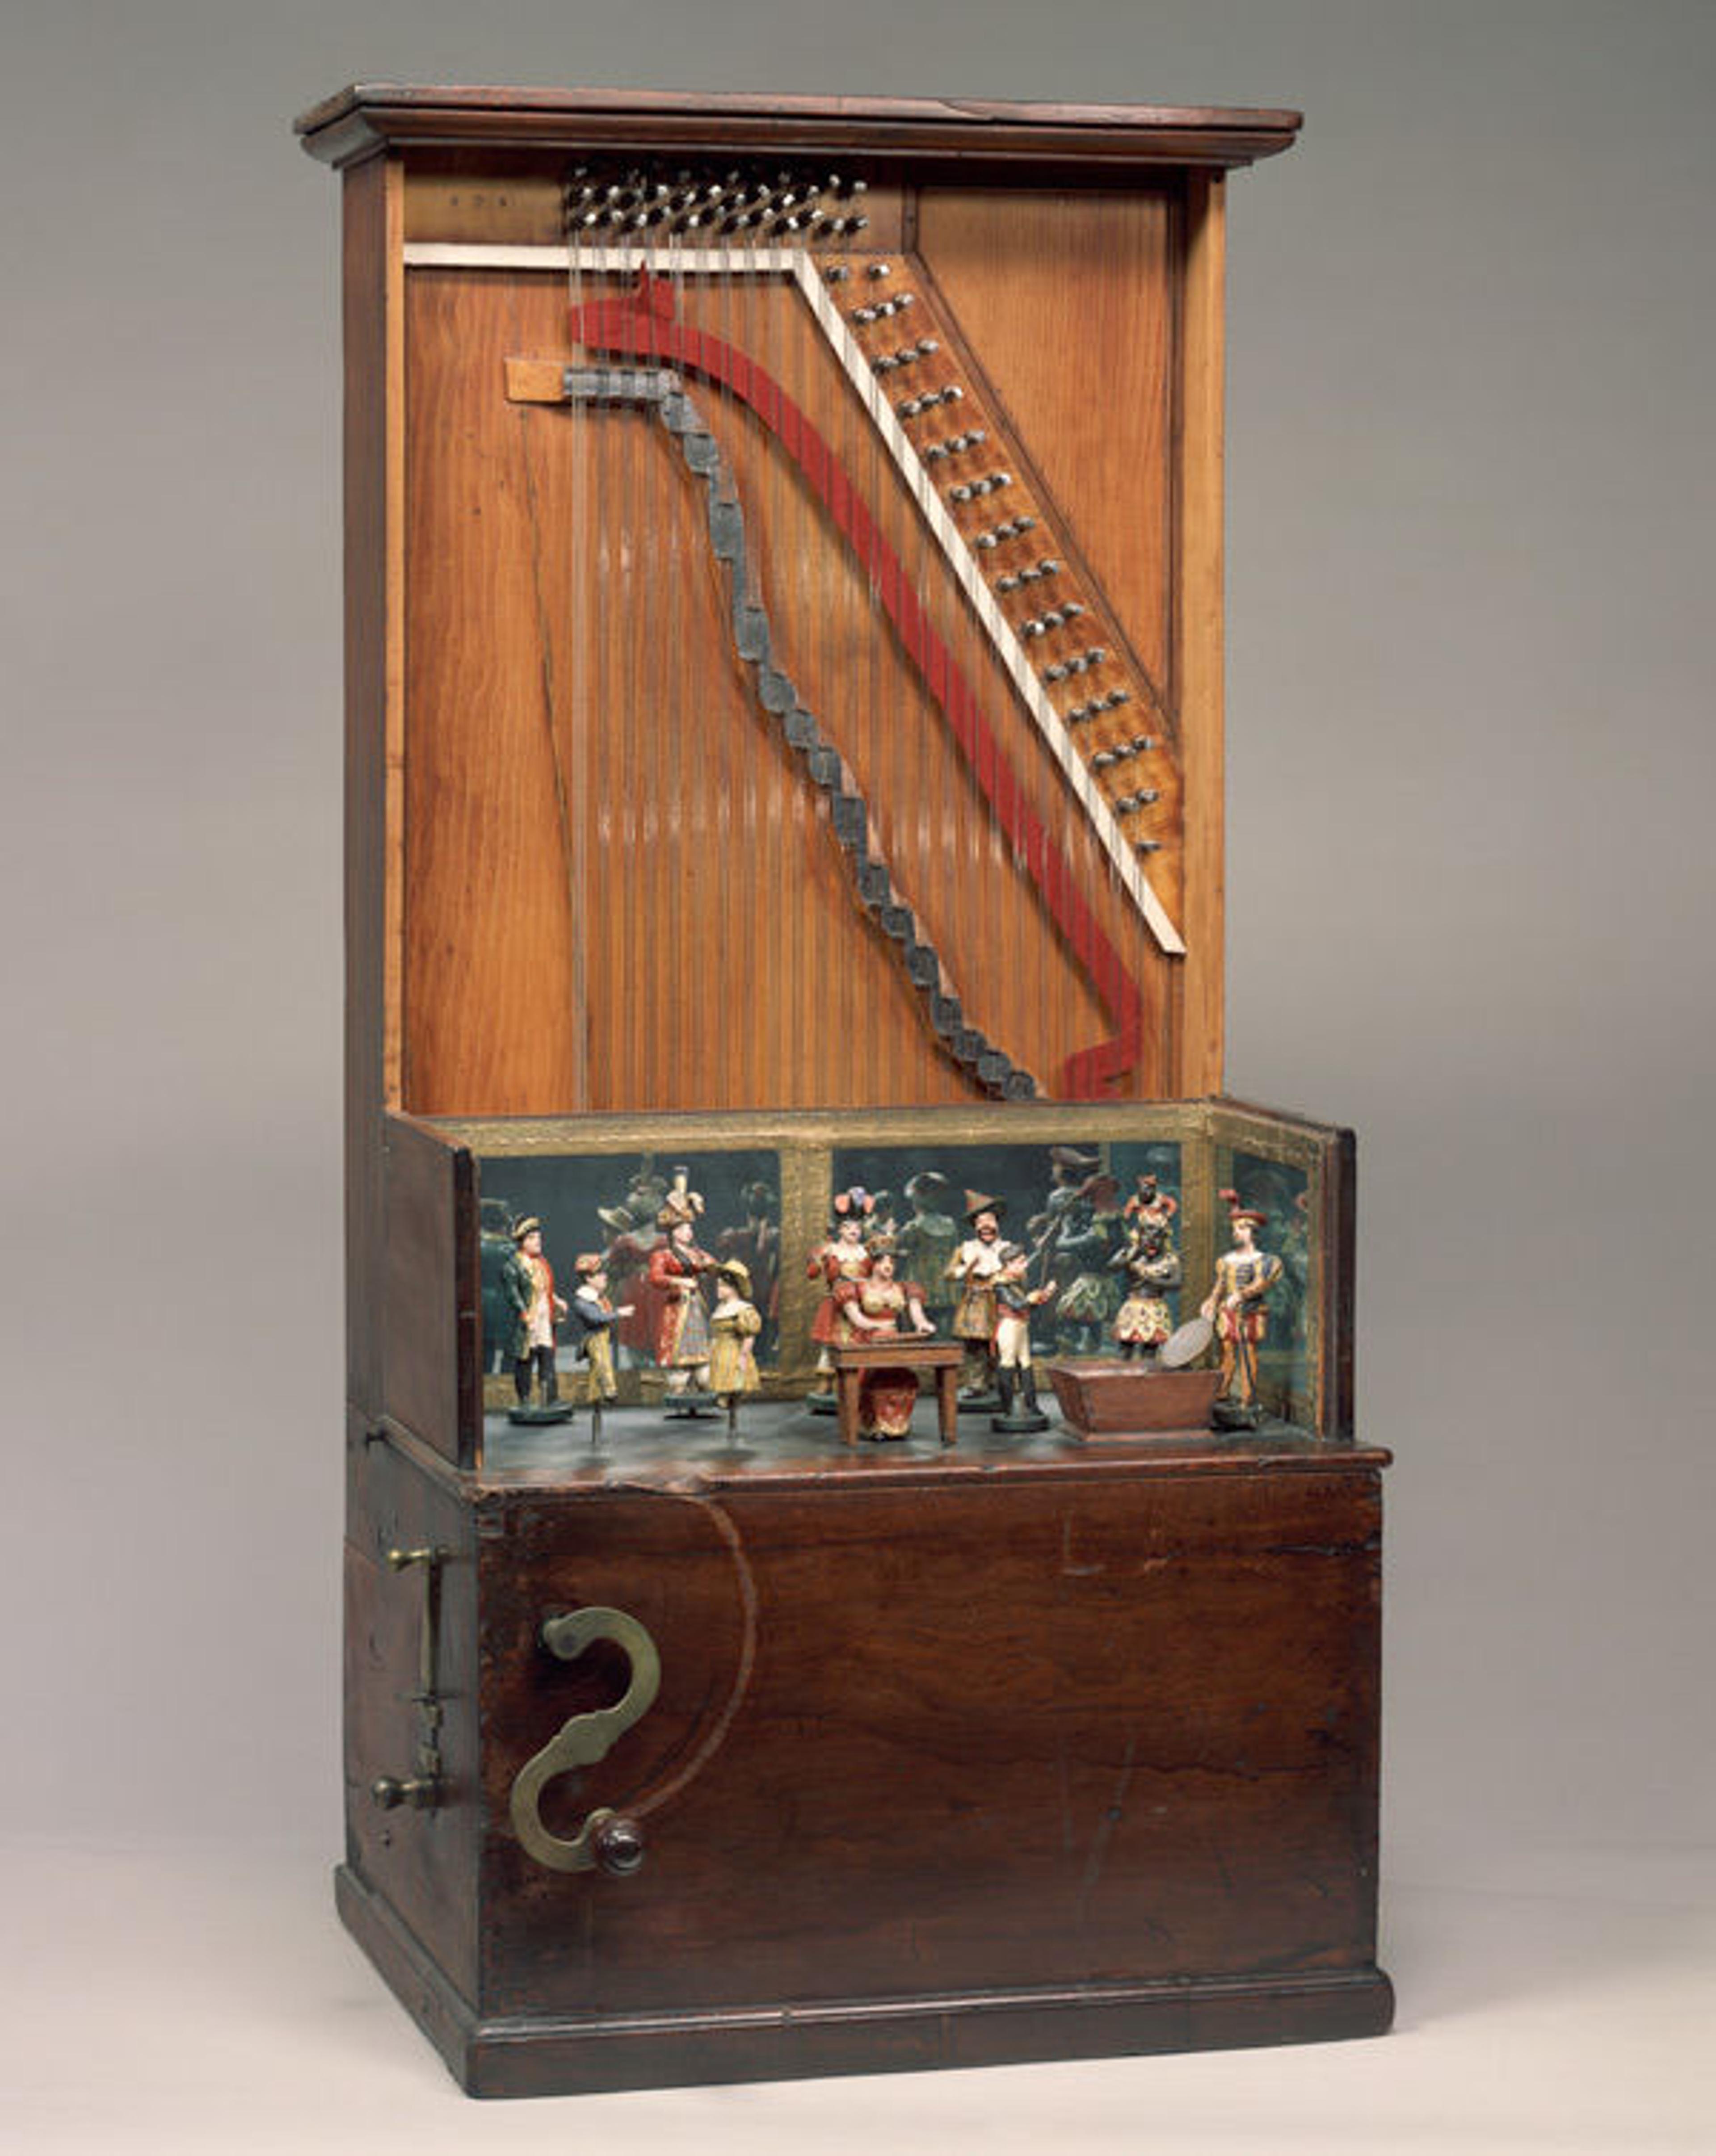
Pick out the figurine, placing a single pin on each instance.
(1148, 1206)
(1014, 1375)
(924, 1247)
(527, 1283)
(596, 1317)
(1084, 1245)
(845, 1256)
(872, 1307)
(1236, 1304)
(757, 1247)
(975, 1267)
(1152, 1268)
(675, 1268)
(734, 1324)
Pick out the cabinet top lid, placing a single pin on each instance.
(370, 116)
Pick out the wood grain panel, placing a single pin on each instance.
(595, 804)
(1067, 302)
(1160, 1714)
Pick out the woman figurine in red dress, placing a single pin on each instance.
(877, 1307)
(676, 1271)
(843, 1257)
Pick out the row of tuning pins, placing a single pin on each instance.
(781, 206)
(964, 491)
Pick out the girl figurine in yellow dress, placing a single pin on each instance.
(734, 1324)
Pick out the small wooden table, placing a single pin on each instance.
(909, 1351)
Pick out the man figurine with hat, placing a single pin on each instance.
(1244, 1276)
(527, 1284)
(974, 1268)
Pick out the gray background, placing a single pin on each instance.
(1470, 470)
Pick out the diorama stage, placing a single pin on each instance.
(1114, 1222)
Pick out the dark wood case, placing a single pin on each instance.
(960, 1756)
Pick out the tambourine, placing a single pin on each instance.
(1185, 1345)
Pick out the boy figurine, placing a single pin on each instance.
(1015, 1378)
(596, 1317)
(527, 1285)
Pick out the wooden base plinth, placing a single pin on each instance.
(552, 2055)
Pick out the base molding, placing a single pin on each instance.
(545, 2055)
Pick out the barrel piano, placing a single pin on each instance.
(784, 710)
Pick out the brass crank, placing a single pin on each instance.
(606, 1841)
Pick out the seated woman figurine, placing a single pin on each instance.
(873, 1308)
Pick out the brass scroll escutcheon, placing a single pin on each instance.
(604, 1839)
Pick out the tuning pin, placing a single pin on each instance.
(1115, 697)
(1146, 845)
(863, 314)
(928, 346)
(910, 408)
(879, 269)
(837, 272)
(1058, 672)
(934, 452)
(1009, 583)
(885, 362)
(901, 301)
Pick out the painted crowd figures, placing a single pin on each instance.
(924, 1245)
(1151, 1267)
(843, 1257)
(877, 1306)
(975, 1269)
(1082, 1252)
(1236, 1305)
(676, 1271)
(528, 1287)
(1015, 1377)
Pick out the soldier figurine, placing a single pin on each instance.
(1244, 1276)
(527, 1285)
(1017, 1380)
(974, 1268)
